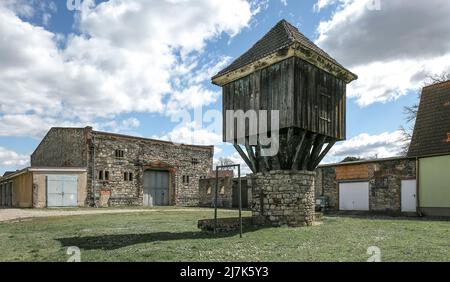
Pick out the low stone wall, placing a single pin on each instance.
(284, 197)
(229, 224)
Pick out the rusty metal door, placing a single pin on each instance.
(156, 188)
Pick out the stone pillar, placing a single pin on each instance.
(283, 197)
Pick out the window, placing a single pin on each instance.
(222, 190)
(448, 137)
(100, 175)
(106, 175)
(195, 161)
(185, 179)
(208, 192)
(119, 153)
(127, 176)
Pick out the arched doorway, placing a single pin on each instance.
(156, 188)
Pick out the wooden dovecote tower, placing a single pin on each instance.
(285, 71)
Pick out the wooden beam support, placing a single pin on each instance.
(304, 161)
(264, 159)
(298, 149)
(251, 154)
(324, 153)
(318, 145)
(244, 157)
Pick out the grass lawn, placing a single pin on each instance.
(166, 235)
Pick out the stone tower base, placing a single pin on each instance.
(283, 197)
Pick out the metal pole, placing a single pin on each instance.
(240, 201)
(215, 199)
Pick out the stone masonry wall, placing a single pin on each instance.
(142, 154)
(284, 197)
(73, 147)
(62, 147)
(384, 177)
(224, 196)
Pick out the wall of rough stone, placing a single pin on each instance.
(224, 200)
(141, 154)
(384, 177)
(284, 197)
(62, 147)
(73, 147)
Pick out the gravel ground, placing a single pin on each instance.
(18, 214)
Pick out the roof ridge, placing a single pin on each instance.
(287, 28)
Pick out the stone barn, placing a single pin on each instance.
(127, 170)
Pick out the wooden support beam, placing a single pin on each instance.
(251, 154)
(298, 149)
(324, 153)
(264, 159)
(304, 161)
(244, 157)
(318, 145)
(290, 140)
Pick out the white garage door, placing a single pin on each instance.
(354, 196)
(62, 191)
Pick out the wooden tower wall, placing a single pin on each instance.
(307, 97)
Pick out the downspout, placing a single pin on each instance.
(419, 212)
(94, 190)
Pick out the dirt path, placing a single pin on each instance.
(17, 214)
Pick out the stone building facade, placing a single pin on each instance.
(117, 165)
(384, 177)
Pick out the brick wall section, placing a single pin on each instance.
(384, 179)
(223, 200)
(284, 197)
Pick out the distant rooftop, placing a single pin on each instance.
(282, 35)
(432, 130)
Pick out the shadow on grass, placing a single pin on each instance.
(117, 241)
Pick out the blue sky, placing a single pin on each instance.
(135, 66)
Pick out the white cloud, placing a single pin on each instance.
(323, 4)
(11, 159)
(36, 126)
(387, 144)
(192, 133)
(130, 56)
(392, 49)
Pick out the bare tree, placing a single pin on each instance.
(225, 161)
(410, 112)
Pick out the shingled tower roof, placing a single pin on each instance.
(281, 36)
(432, 130)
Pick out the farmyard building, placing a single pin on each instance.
(118, 169)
